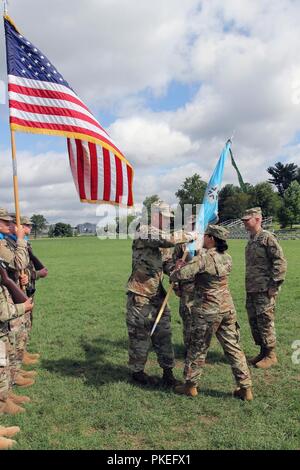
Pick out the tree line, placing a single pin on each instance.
(278, 197)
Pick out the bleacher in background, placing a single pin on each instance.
(237, 230)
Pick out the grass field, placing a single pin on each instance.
(83, 398)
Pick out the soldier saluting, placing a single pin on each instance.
(265, 272)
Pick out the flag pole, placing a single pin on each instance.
(15, 176)
(162, 308)
(5, 7)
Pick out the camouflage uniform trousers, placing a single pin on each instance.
(17, 342)
(5, 380)
(185, 312)
(261, 314)
(226, 328)
(28, 326)
(141, 314)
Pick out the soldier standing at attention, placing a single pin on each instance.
(32, 276)
(213, 311)
(8, 312)
(265, 272)
(16, 257)
(145, 297)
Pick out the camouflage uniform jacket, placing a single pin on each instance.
(149, 260)
(8, 310)
(171, 256)
(210, 271)
(15, 254)
(265, 263)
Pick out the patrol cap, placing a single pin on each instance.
(4, 215)
(217, 231)
(163, 208)
(253, 212)
(24, 220)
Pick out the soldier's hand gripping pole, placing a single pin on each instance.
(162, 308)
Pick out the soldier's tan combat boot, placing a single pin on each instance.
(6, 443)
(188, 389)
(9, 432)
(10, 408)
(269, 360)
(168, 378)
(18, 399)
(27, 361)
(259, 357)
(243, 393)
(31, 355)
(28, 373)
(23, 381)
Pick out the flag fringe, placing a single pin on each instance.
(8, 18)
(101, 201)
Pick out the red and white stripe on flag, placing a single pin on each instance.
(100, 175)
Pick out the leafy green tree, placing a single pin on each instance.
(228, 191)
(191, 191)
(62, 230)
(51, 231)
(265, 197)
(283, 175)
(235, 205)
(147, 203)
(289, 214)
(39, 223)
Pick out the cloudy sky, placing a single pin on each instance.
(170, 80)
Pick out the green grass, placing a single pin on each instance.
(83, 399)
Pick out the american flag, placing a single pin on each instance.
(41, 101)
(99, 174)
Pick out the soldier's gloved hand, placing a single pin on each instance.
(179, 264)
(23, 280)
(192, 235)
(20, 232)
(28, 305)
(43, 272)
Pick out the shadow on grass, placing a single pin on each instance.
(96, 369)
(207, 392)
(214, 357)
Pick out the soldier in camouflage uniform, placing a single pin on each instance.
(145, 297)
(32, 276)
(265, 272)
(183, 289)
(16, 257)
(213, 311)
(8, 313)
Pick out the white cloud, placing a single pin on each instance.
(150, 141)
